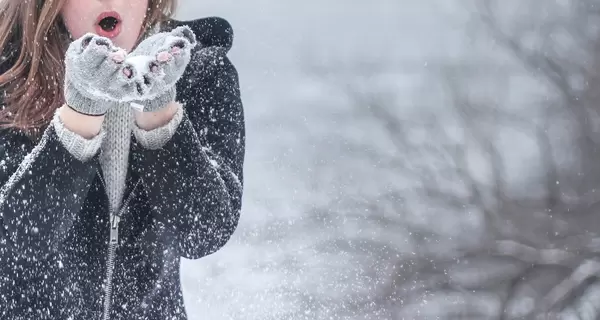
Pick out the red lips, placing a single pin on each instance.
(108, 24)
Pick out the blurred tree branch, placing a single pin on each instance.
(480, 246)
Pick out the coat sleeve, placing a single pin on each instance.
(194, 181)
(43, 188)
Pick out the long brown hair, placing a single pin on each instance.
(33, 40)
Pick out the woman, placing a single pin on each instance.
(122, 147)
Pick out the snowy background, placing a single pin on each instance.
(384, 132)
(274, 267)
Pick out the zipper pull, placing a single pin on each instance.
(114, 229)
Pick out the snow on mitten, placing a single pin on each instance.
(159, 61)
(96, 77)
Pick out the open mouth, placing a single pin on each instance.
(108, 24)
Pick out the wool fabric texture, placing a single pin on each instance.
(114, 142)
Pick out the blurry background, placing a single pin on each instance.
(411, 159)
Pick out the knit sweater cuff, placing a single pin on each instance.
(156, 138)
(81, 148)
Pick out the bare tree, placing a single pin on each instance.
(461, 233)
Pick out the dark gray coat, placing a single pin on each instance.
(183, 200)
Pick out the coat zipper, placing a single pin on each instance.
(112, 249)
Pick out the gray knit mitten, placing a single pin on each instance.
(96, 77)
(160, 60)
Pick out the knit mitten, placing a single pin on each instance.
(96, 78)
(160, 60)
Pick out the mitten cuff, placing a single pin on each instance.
(156, 138)
(82, 104)
(159, 102)
(81, 148)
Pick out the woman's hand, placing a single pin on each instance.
(100, 76)
(96, 75)
(160, 61)
(94, 81)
